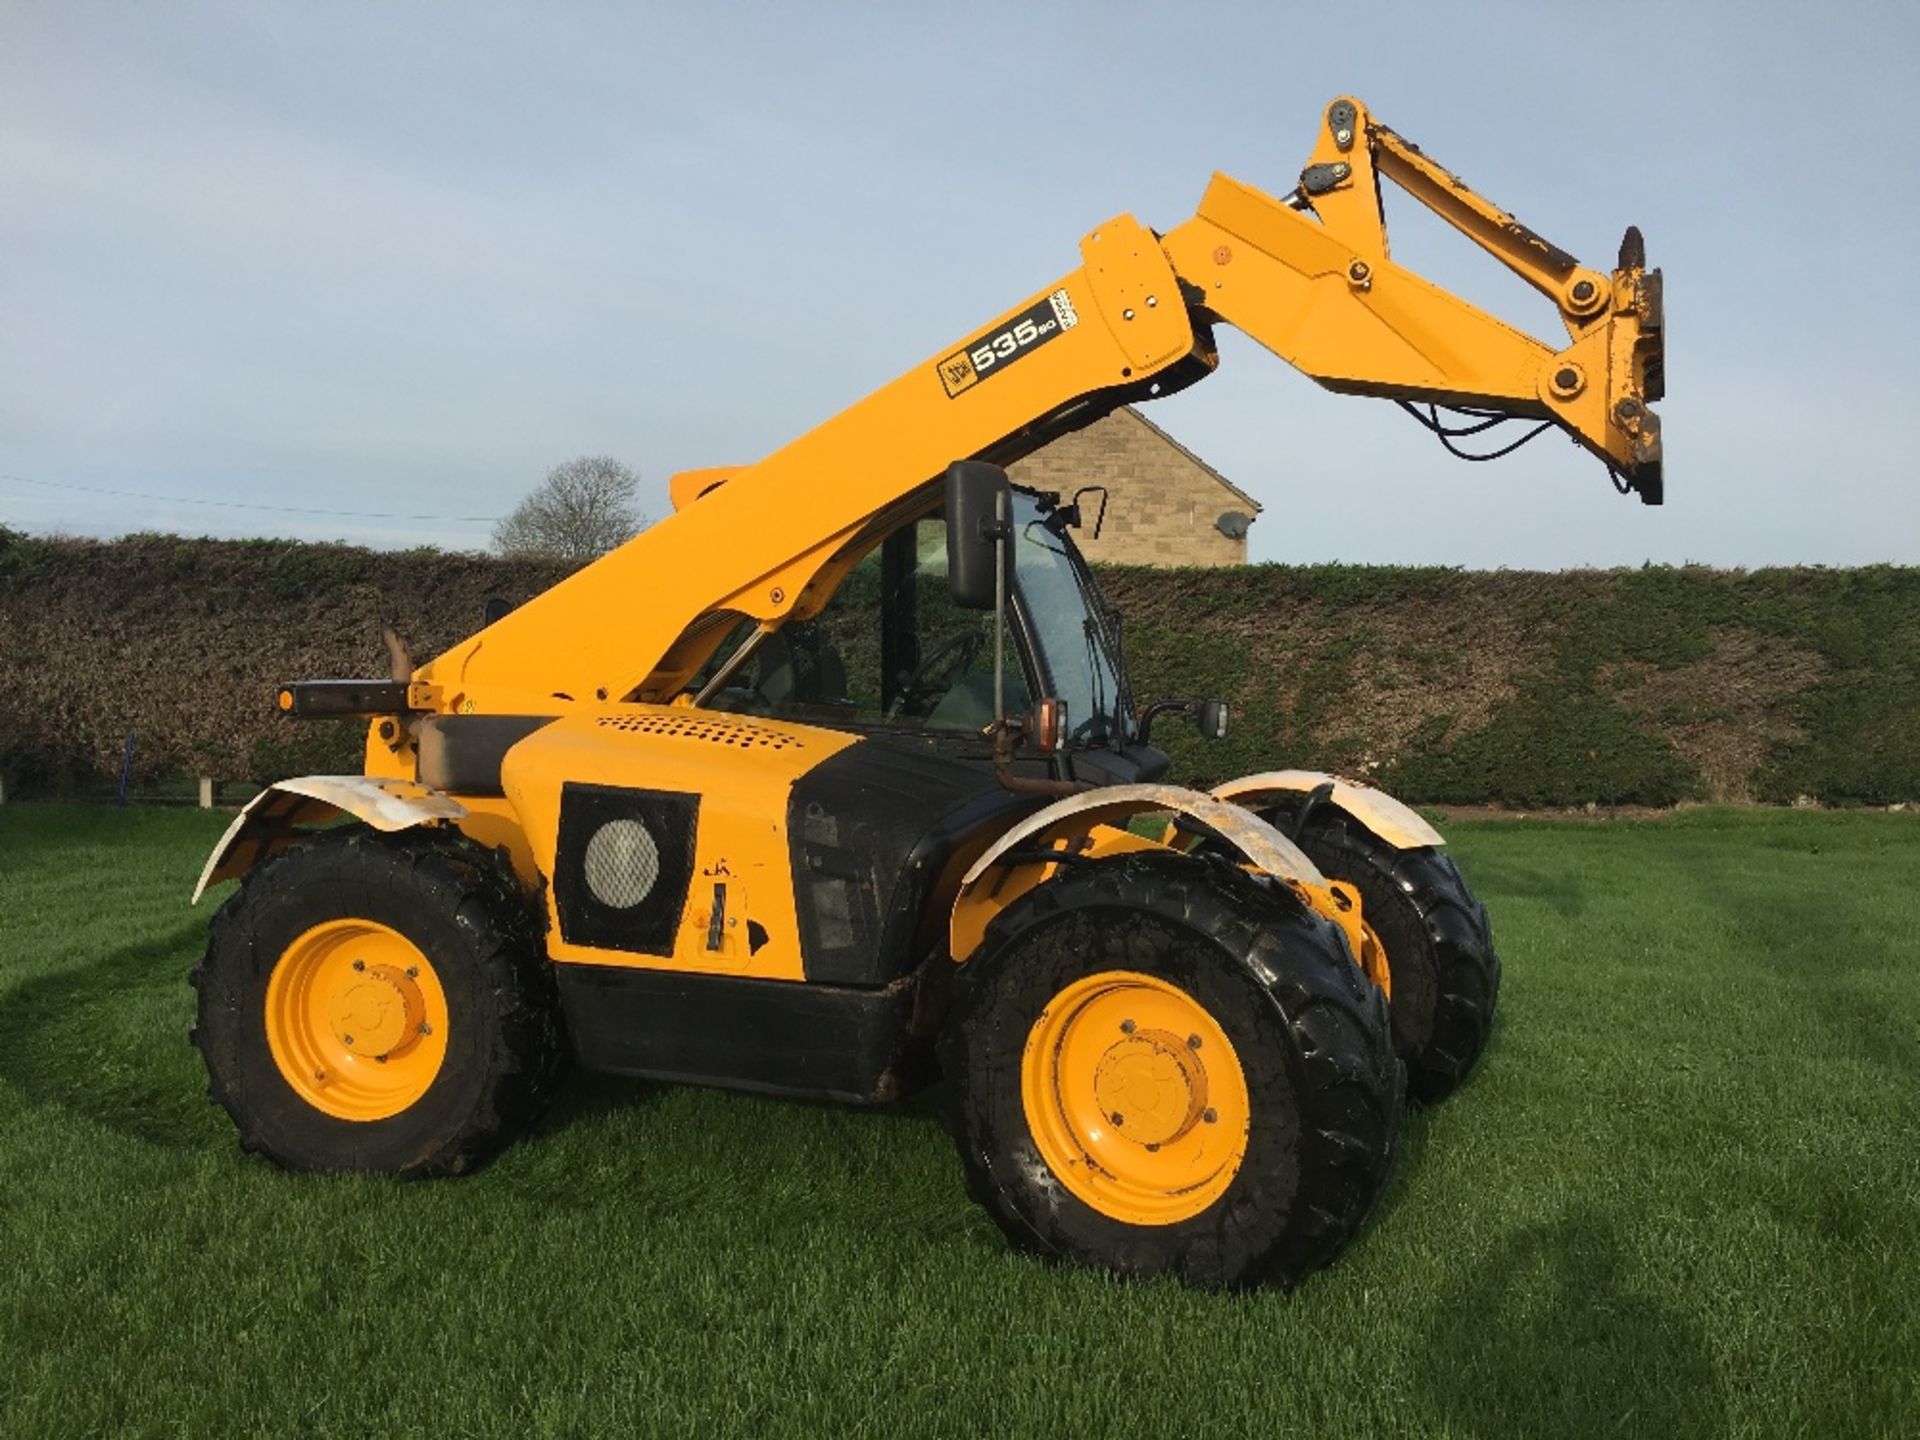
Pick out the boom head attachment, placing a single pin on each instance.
(1406, 339)
(1641, 379)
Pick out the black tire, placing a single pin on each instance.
(1438, 943)
(505, 1046)
(1311, 1034)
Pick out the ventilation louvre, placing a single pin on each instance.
(702, 728)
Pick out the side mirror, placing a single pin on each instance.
(978, 504)
(1209, 717)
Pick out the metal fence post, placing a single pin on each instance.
(206, 792)
(126, 768)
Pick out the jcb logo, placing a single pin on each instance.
(998, 349)
(957, 373)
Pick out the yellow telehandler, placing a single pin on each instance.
(834, 781)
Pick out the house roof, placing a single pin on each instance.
(1226, 484)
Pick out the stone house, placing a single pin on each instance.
(1165, 505)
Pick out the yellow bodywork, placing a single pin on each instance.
(740, 768)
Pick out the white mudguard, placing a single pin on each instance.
(1263, 846)
(1394, 822)
(277, 813)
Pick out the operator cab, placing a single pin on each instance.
(893, 653)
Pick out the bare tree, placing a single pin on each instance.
(579, 512)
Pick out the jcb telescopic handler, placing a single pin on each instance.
(834, 781)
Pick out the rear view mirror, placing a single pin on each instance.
(978, 503)
(1209, 717)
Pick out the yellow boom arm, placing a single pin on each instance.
(1308, 276)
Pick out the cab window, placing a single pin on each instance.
(889, 649)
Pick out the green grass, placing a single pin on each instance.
(1681, 1197)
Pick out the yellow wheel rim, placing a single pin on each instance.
(356, 1019)
(1135, 1098)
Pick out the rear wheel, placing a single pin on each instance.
(1442, 975)
(1163, 1065)
(378, 1005)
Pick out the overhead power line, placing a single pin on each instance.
(245, 504)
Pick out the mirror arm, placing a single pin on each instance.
(1157, 709)
(1198, 711)
(1026, 784)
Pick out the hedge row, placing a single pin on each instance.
(1612, 687)
(1643, 687)
(181, 643)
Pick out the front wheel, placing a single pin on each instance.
(1164, 1066)
(377, 1005)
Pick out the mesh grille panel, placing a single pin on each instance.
(622, 864)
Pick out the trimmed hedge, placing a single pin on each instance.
(1612, 687)
(1643, 687)
(181, 642)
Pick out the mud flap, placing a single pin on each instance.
(275, 817)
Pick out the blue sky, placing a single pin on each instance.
(403, 259)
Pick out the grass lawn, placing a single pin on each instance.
(1680, 1197)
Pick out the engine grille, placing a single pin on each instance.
(702, 728)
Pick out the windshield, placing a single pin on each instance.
(1074, 634)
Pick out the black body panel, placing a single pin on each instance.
(822, 1042)
(461, 754)
(874, 832)
(1135, 765)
